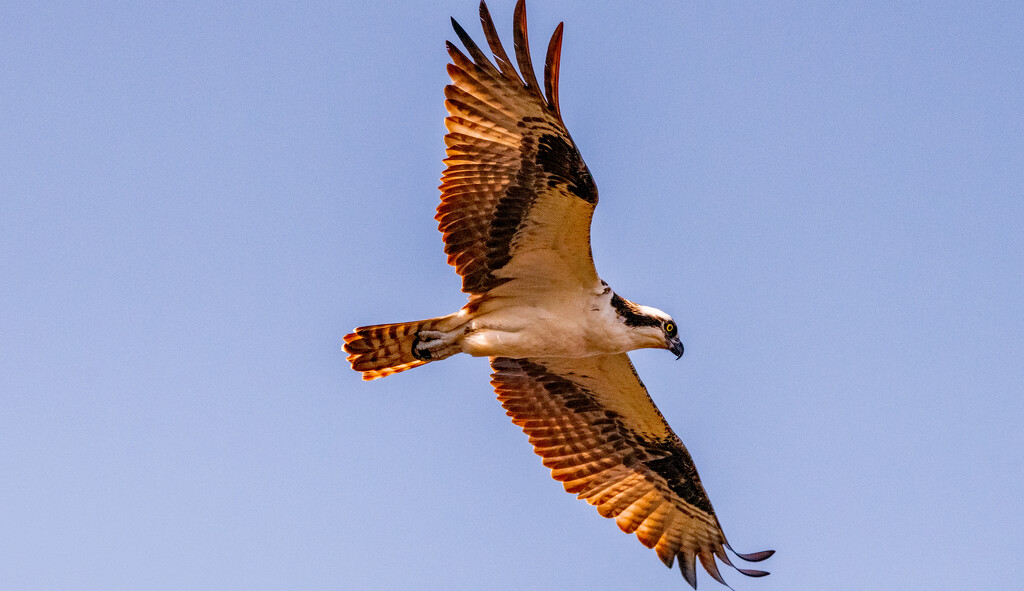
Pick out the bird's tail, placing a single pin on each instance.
(384, 349)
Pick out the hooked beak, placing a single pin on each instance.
(676, 346)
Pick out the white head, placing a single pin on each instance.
(658, 329)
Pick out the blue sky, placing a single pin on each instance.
(197, 202)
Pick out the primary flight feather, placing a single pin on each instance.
(516, 205)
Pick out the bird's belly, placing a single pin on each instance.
(543, 337)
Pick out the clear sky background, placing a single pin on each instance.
(198, 200)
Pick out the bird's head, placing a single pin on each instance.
(655, 329)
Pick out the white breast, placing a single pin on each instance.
(577, 324)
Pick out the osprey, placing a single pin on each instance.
(516, 205)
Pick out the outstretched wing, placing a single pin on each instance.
(516, 197)
(595, 426)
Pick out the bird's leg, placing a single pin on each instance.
(431, 345)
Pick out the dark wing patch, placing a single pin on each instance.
(509, 155)
(563, 164)
(678, 472)
(596, 428)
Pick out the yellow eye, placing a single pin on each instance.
(670, 328)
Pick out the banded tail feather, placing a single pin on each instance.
(384, 349)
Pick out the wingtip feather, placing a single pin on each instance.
(551, 67)
(478, 56)
(522, 47)
(756, 556)
(750, 572)
(707, 559)
(688, 566)
(494, 42)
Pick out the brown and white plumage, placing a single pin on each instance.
(516, 197)
(597, 429)
(516, 205)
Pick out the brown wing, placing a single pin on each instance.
(595, 426)
(516, 197)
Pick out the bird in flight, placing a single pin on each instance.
(516, 206)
